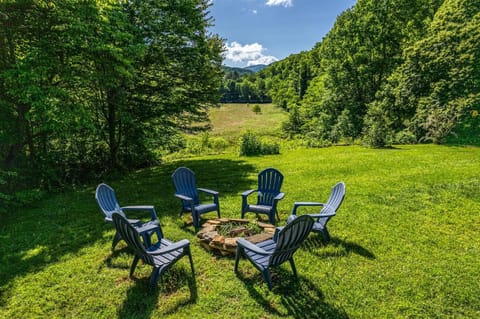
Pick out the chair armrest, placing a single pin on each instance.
(167, 249)
(147, 227)
(148, 208)
(299, 204)
(208, 191)
(247, 193)
(131, 221)
(248, 245)
(183, 197)
(279, 196)
(322, 215)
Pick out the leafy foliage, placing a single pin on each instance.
(250, 145)
(89, 87)
(388, 72)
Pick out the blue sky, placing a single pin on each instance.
(264, 31)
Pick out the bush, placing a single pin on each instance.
(256, 109)
(203, 143)
(376, 132)
(14, 194)
(250, 144)
(218, 144)
(405, 137)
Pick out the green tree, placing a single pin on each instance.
(438, 84)
(80, 78)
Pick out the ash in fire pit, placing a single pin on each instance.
(220, 234)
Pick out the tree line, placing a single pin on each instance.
(92, 86)
(388, 72)
(244, 87)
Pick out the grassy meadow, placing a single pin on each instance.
(405, 243)
(230, 120)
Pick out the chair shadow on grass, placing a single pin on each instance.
(299, 298)
(142, 299)
(338, 247)
(63, 224)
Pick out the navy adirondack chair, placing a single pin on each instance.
(328, 210)
(107, 201)
(161, 255)
(187, 191)
(268, 194)
(276, 251)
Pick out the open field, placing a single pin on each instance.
(230, 120)
(405, 243)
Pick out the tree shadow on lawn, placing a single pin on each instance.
(64, 224)
(228, 177)
(339, 247)
(299, 298)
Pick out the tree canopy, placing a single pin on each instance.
(388, 71)
(90, 86)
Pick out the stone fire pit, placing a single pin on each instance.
(210, 238)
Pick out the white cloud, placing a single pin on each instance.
(266, 59)
(254, 11)
(251, 54)
(285, 3)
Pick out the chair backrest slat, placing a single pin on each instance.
(336, 198)
(269, 184)
(131, 237)
(107, 201)
(184, 181)
(290, 238)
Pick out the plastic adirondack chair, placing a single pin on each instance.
(276, 251)
(107, 201)
(328, 210)
(161, 256)
(187, 191)
(268, 194)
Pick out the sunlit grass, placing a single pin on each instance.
(405, 243)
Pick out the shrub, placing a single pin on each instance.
(218, 144)
(376, 132)
(250, 144)
(256, 109)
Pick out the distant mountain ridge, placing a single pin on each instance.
(245, 70)
(256, 68)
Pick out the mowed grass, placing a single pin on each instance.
(405, 243)
(230, 120)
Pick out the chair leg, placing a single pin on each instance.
(191, 260)
(326, 235)
(271, 218)
(196, 220)
(154, 276)
(237, 258)
(268, 279)
(294, 270)
(146, 239)
(116, 239)
(134, 265)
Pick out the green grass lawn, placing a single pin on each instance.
(405, 243)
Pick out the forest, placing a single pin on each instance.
(387, 72)
(90, 87)
(93, 87)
